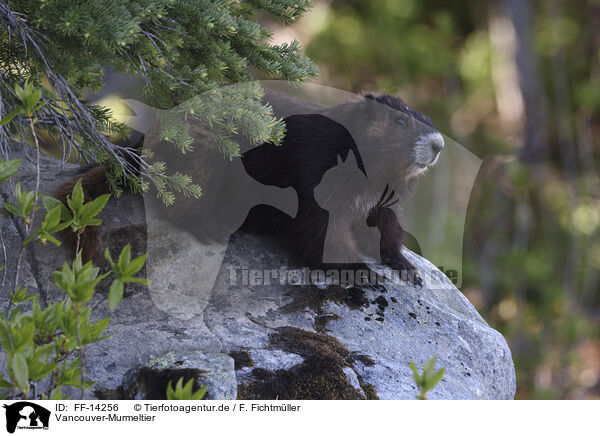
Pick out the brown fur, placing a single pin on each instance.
(94, 184)
(391, 240)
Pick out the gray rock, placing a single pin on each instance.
(287, 341)
(374, 331)
(211, 370)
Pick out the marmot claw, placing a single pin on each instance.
(417, 280)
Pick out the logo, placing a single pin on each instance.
(26, 415)
(340, 190)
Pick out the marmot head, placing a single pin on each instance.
(394, 143)
(398, 142)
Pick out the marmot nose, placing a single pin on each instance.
(437, 142)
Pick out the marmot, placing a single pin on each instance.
(390, 144)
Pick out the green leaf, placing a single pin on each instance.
(78, 283)
(429, 366)
(108, 257)
(20, 296)
(115, 294)
(85, 222)
(138, 280)
(52, 218)
(5, 336)
(12, 208)
(19, 91)
(38, 107)
(53, 221)
(57, 394)
(31, 102)
(199, 394)
(124, 258)
(434, 379)
(170, 392)
(182, 392)
(98, 327)
(4, 384)
(415, 372)
(7, 119)
(64, 279)
(53, 240)
(9, 168)
(94, 207)
(75, 200)
(50, 203)
(40, 370)
(187, 389)
(20, 371)
(42, 353)
(24, 336)
(135, 265)
(25, 202)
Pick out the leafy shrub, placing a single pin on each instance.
(428, 379)
(185, 392)
(46, 346)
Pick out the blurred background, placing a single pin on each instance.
(516, 82)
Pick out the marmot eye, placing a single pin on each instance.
(401, 121)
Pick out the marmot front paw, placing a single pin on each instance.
(416, 279)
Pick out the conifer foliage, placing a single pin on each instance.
(185, 51)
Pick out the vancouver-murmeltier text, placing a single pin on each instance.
(111, 417)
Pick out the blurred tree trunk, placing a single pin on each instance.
(520, 103)
(534, 138)
(568, 155)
